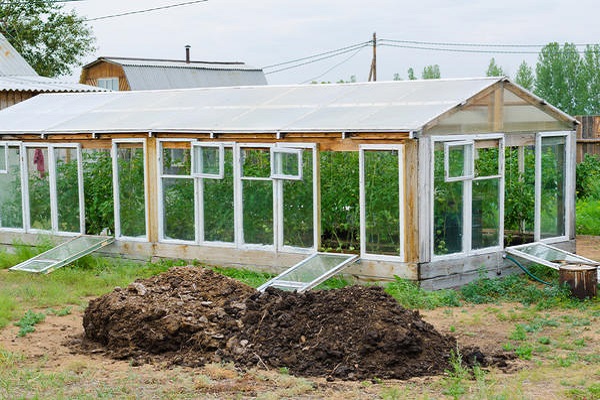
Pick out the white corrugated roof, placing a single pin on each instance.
(43, 85)
(401, 106)
(11, 62)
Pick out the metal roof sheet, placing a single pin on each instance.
(42, 84)
(401, 106)
(11, 62)
(143, 77)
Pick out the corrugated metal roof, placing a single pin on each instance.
(158, 78)
(11, 62)
(402, 106)
(146, 62)
(43, 85)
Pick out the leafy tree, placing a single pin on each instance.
(431, 72)
(591, 79)
(51, 39)
(559, 77)
(411, 74)
(494, 69)
(525, 76)
(397, 76)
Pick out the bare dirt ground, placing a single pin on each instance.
(52, 353)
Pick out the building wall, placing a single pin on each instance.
(9, 98)
(103, 69)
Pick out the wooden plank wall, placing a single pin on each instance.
(588, 136)
(9, 98)
(91, 75)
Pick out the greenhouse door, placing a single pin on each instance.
(382, 201)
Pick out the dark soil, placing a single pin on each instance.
(192, 316)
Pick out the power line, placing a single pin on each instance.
(456, 50)
(146, 10)
(349, 48)
(463, 44)
(316, 59)
(335, 66)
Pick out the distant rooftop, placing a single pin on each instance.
(11, 62)
(163, 63)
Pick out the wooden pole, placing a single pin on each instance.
(373, 72)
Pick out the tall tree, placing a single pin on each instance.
(51, 39)
(431, 72)
(494, 69)
(559, 78)
(591, 79)
(411, 74)
(525, 76)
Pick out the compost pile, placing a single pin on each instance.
(192, 316)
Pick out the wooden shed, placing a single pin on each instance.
(19, 81)
(126, 73)
(426, 180)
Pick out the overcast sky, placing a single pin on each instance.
(266, 32)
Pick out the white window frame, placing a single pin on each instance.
(362, 202)
(22, 178)
(279, 206)
(117, 205)
(111, 83)
(198, 161)
(569, 186)
(4, 166)
(51, 170)
(467, 196)
(276, 162)
(468, 163)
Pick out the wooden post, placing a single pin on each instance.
(581, 278)
(373, 71)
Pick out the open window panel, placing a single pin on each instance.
(3, 158)
(286, 163)
(63, 254)
(550, 256)
(458, 160)
(309, 272)
(207, 160)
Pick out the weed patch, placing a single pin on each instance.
(27, 322)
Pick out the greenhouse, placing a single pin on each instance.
(426, 180)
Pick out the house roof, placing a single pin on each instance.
(156, 74)
(402, 106)
(42, 84)
(11, 62)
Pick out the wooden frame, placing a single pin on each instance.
(4, 157)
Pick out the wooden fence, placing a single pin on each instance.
(588, 136)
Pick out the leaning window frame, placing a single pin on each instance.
(198, 161)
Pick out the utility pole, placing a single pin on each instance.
(373, 72)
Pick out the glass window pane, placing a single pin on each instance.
(256, 163)
(486, 217)
(447, 209)
(39, 188)
(487, 161)
(382, 202)
(458, 160)
(340, 216)
(130, 174)
(3, 158)
(178, 208)
(258, 211)
(11, 207)
(175, 161)
(287, 163)
(519, 195)
(67, 189)
(298, 229)
(552, 216)
(207, 160)
(219, 222)
(98, 191)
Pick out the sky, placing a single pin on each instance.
(263, 33)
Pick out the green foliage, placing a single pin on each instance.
(27, 322)
(431, 72)
(132, 200)
(587, 181)
(33, 27)
(525, 76)
(410, 295)
(588, 217)
(494, 69)
(411, 74)
(457, 377)
(98, 190)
